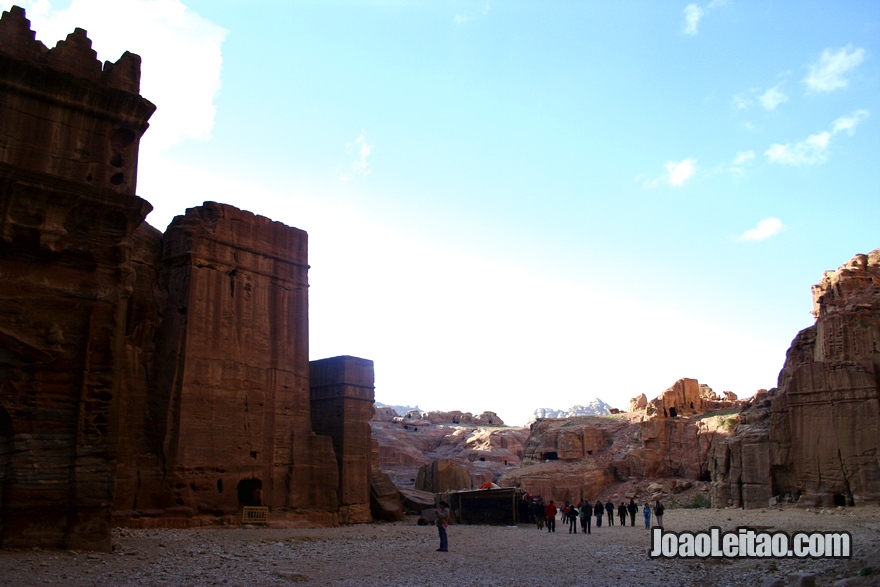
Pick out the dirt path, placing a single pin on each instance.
(404, 554)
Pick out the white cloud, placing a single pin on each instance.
(772, 98)
(692, 15)
(744, 157)
(810, 151)
(827, 74)
(360, 150)
(180, 52)
(849, 123)
(814, 149)
(764, 230)
(469, 16)
(681, 171)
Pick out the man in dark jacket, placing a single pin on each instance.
(586, 516)
(609, 509)
(598, 510)
(621, 513)
(632, 508)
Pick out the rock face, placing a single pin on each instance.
(673, 436)
(69, 133)
(443, 475)
(481, 444)
(164, 378)
(816, 435)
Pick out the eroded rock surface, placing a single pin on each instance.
(815, 436)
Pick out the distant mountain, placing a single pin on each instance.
(401, 410)
(594, 407)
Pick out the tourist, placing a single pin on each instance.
(621, 513)
(658, 513)
(540, 513)
(572, 519)
(646, 511)
(598, 509)
(551, 511)
(609, 509)
(632, 508)
(442, 522)
(586, 514)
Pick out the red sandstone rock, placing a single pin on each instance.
(69, 136)
(817, 435)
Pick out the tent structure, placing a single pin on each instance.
(485, 506)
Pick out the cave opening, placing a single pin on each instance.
(250, 492)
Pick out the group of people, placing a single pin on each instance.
(545, 514)
(542, 514)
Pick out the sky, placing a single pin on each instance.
(518, 204)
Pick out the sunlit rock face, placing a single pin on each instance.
(815, 437)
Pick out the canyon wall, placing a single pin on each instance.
(69, 132)
(815, 438)
(149, 379)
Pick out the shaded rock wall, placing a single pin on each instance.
(342, 396)
(163, 378)
(815, 437)
(69, 132)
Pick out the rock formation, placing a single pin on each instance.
(479, 443)
(671, 437)
(69, 132)
(443, 475)
(815, 436)
(595, 407)
(163, 377)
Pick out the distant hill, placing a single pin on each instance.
(595, 407)
(401, 410)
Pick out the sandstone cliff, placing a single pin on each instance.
(815, 436)
(479, 443)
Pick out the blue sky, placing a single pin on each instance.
(515, 205)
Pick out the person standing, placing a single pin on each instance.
(632, 508)
(442, 522)
(551, 516)
(609, 509)
(658, 513)
(621, 513)
(598, 509)
(586, 516)
(646, 511)
(572, 519)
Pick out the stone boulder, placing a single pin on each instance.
(443, 475)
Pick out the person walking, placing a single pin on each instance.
(572, 519)
(646, 511)
(442, 522)
(540, 513)
(658, 513)
(632, 508)
(609, 509)
(598, 510)
(551, 516)
(586, 513)
(621, 513)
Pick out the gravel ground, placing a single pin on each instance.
(404, 554)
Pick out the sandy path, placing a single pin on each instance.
(404, 554)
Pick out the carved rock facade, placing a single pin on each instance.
(816, 437)
(161, 377)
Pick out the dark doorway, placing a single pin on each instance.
(250, 492)
(673, 412)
